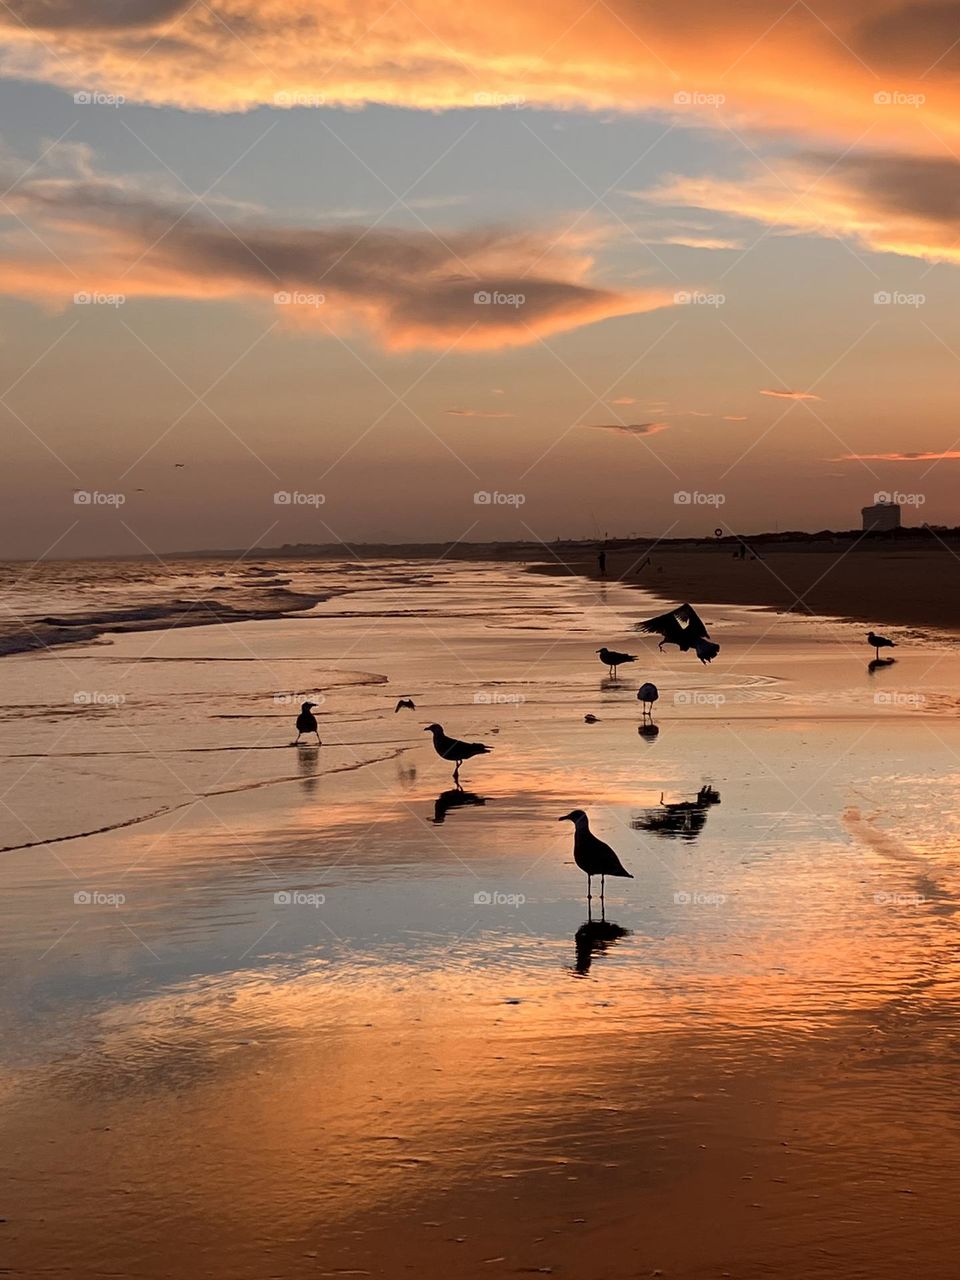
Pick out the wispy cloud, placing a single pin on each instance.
(788, 395)
(476, 413)
(631, 428)
(943, 455)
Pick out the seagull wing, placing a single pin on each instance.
(605, 860)
(666, 625)
(694, 623)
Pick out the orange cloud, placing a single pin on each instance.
(849, 65)
(789, 395)
(480, 289)
(943, 456)
(632, 428)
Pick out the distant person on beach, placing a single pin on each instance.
(602, 563)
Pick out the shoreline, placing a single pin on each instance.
(879, 586)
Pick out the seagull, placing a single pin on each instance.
(405, 702)
(648, 694)
(693, 635)
(610, 658)
(879, 642)
(592, 855)
(453, 749)
(307, 722)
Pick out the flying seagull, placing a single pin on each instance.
(683, 627)
(408, 703)
(610, 658)
(647, 695)
(591, 854)
(879, 642)
(453, 749)
(307, 722)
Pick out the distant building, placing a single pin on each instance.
(881, 517)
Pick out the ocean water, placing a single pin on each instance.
(290, 1009)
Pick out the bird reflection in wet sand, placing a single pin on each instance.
(592, 939)
(648, 730)
(455, 798)
(685, 819)
(308, 758)
(877, 664)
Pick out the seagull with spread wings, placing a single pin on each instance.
(683, 627)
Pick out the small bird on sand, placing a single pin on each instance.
(647, 695)
(683, 627)
(453, 749)
(307, 723)
(610, 658)
(591, 854)
(408, 703)
(880, 642)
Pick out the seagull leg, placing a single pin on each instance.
(603, 882)
(296, 741)
(589, 888)
(319, 743)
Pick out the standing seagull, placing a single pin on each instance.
(683, 627)
(453, 749)
(610, 658)
(307, 723)
(592, 855)
(879, 642)
(647, 695)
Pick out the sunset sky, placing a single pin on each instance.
(245, 248)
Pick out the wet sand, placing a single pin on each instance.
(315, 1019)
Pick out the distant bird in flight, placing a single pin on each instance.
(408, 703)
(307, 723)
(683, 627)
(453, 749)
(590, 853)
(610, 658)
(647, 695)
(880, 642)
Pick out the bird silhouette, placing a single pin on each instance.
(307, 723)
(610, 658)
(590, 853)
(453, 749)
(683, 627)
(408, 703)
(879, 642)
(647, 695)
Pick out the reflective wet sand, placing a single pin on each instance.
(323, 1016)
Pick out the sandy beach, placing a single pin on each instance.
(315, 1013)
